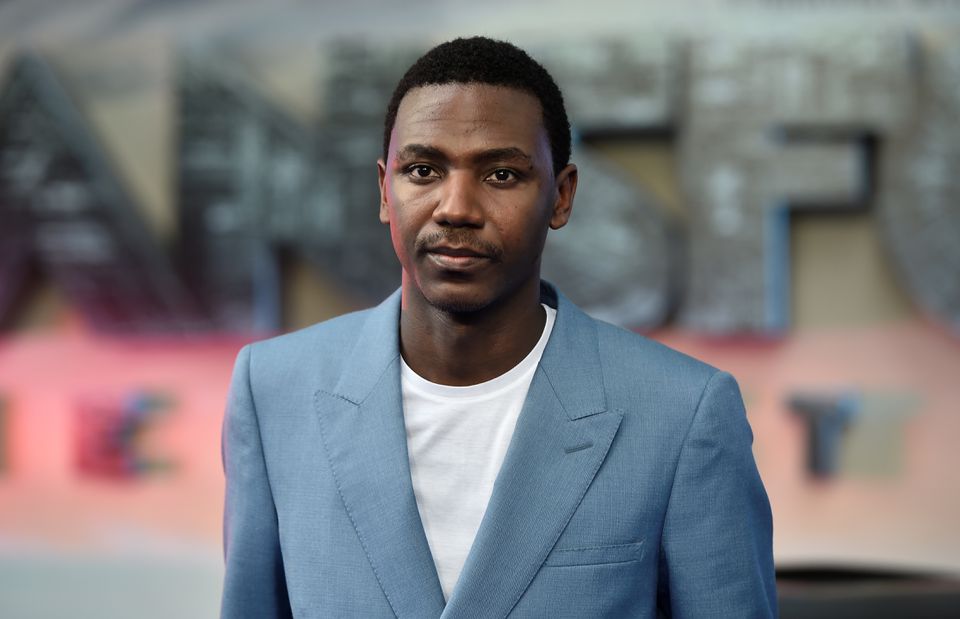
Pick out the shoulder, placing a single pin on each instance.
(329, 335)
(308, 356)
(626, 354)
(663, 393)
(637, 373)
(642, 377)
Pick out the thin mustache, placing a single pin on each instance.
(458, 238)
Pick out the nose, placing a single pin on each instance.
(459, 203)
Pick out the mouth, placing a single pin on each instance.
(456, 258)
(456, 252)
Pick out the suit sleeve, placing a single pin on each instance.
(254, 583)
(716, 555)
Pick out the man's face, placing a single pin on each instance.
(469, 192)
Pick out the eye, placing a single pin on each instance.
(502, 175)
(420, 171)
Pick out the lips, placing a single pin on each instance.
(456, 252)
(453, 258)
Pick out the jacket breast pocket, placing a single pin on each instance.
(595, 555)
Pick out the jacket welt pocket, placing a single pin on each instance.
(595, 555)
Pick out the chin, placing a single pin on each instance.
(453, 301)
(457, 304)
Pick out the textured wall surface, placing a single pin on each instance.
(763, 127)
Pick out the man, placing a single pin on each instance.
(476, 446)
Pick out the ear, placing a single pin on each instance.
(382, 176)
(563, 204)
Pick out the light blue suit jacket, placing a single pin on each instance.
(629, 488)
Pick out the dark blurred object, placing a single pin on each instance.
(918, 209)
(828, 593)
(109, 436)
(827, 417)
(65, 210)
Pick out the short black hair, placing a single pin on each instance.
(479, 60)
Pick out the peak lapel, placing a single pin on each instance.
(364, 438)
(561, 439)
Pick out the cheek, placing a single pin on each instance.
(396, 233)
(409, 211)
(403, 231)
(527, 228)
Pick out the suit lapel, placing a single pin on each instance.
(364, 438)
(561, 439)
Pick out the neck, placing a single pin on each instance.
(468, 348)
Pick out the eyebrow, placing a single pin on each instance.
(510, 153)
(420, 151)
(423, 151)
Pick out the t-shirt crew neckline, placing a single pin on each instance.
(489, 388)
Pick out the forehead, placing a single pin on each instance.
(470, 116)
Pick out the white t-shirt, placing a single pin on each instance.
(457, 438)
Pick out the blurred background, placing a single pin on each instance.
(771, 186)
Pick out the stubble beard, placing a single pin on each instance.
(457, 306)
